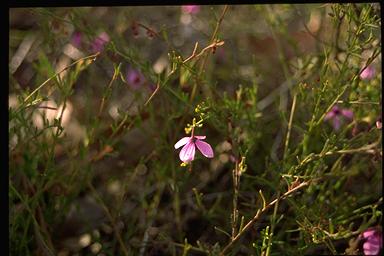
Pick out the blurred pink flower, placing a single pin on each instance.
(336, 116)
(191, 9)
(135, 78)
(372, 241)
(100, 41)
(368, 73)
(187, 153)
(232, 158)
(135, 29)
(76, 39)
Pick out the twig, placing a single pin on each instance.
(93, 56)
(260, 212)
(368, 149)
(46, 107)
(115, 74)
(236, 183)
(212, 45)
(359, 102)
(290, 125)
(206, 56)
(332, 104)
(153, 94)
(47, 249)
(369, 61)
(148, 29)
(364, 149)
(193, 53)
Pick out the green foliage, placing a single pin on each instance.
(92, 164)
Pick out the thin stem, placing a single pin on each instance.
(153, 94)
(148, 29)
(359, 102)
(290, 125)
(332, 104)
(46, 249)
(260, 212)
(235, 212)
(193, 55)
(212, 41)
(93, 56)
(116, 72)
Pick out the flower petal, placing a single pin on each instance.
(347, 113)
(336, 123)
(368, 73)
(379, 125)
(329, 115)
(204, 148)
(187, 153)
(182, 142)
(371, 248)
(200, 137)
(369, 233)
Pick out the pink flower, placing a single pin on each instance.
(336, 115)
(191, 9)
(100, 41)
(368, 73)
(135, 78)
(187, 153)
(76, 39)
(373, 241)
(135, 29)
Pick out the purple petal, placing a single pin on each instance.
(99, 42)
(76, 39)
(187, 153)
(103, 37)
(347, 113)
(329, 115)
(336, 123)
(371, 248)
(204, 148)
(369, 233)
(135, 78)
(182, 142)
(368, 73)
(200, 137)
(191, 9)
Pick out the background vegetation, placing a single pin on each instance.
(98, 96)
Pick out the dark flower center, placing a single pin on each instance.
(337, 111)
(136, 80)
